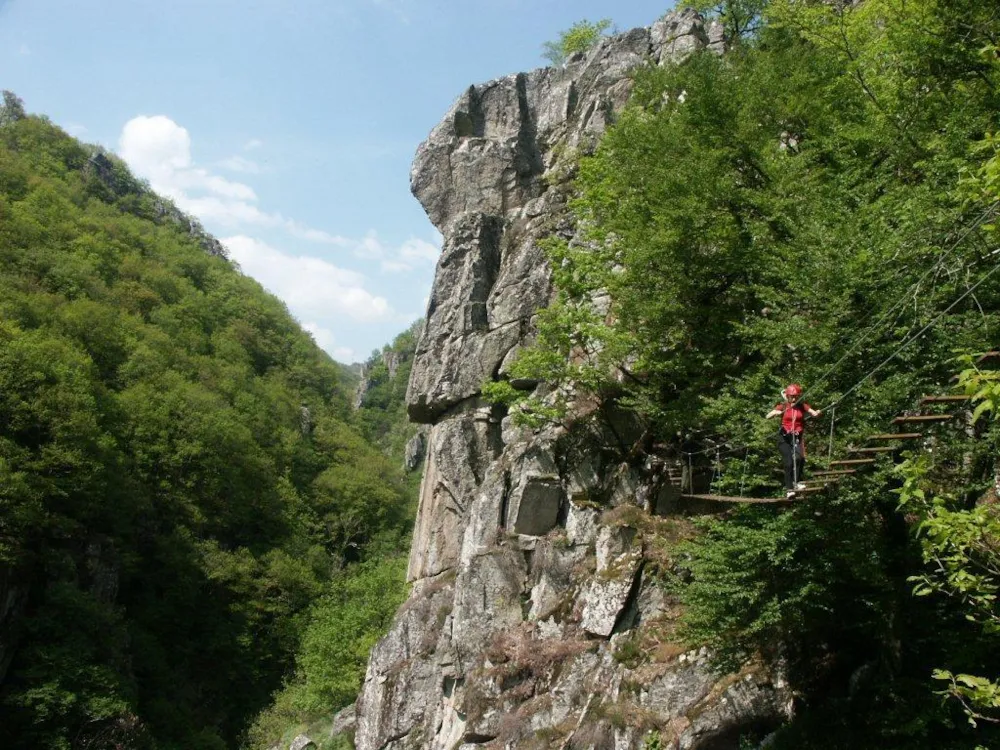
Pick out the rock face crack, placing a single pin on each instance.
(627, 616)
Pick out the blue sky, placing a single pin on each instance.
(287, 126)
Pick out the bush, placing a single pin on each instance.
(579, 37)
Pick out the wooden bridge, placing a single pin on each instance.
(886, 443)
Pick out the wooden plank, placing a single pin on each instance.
(832, 473)
(924, 418)
(943, 400)
(897, 436)
(821, 482)
(879, 449)
(986, 356)
(737, 500)
(853, 462)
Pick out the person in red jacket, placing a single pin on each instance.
(790, 435)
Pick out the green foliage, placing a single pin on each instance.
(759, 579)
(739, 18)
(579, 37)
(382, 412)
(958, 542)
(12, 109)
(795, 211)
(344, 624)
(167, 515)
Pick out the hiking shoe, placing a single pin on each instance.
(790, 494)
(800, 486)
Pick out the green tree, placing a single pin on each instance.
(579, 37)
(12, 108)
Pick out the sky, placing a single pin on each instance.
(287, 126)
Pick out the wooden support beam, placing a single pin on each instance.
(853, 462)
(832, 473)
(878, 449)
(923, 418)
(897, 436)
(986, 356)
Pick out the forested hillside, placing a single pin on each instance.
(183, 489)
(381, 398)
(817, 205)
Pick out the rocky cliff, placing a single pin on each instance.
(537, 616)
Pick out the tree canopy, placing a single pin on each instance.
(181, 475)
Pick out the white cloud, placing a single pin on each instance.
(419, 250)
(253, 144)
(395, 266)
(316, 235)
(75, 129)
(240, 164)
(314, 289)
(326, 340)
(412, 253)
(159, 149)
(155, 145)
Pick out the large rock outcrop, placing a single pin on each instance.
(536, 616)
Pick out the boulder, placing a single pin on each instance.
(605, 598)
(416, 449)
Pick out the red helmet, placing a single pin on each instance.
(794, 390)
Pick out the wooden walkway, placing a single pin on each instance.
(820, 480)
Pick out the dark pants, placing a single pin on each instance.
(792, 457)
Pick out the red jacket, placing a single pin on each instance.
(793, 416)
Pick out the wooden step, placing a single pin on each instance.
(879, 449)
(923, 418)
(853, 462)
(821, 482)
(943, 400)
(834, 472)
(897, 436)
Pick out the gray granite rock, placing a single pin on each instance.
(416, 449)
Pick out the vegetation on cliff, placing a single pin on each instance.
(579, 37)
(183, 487)
(382, 400)
(798, 210)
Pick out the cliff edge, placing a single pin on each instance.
(537, 615)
